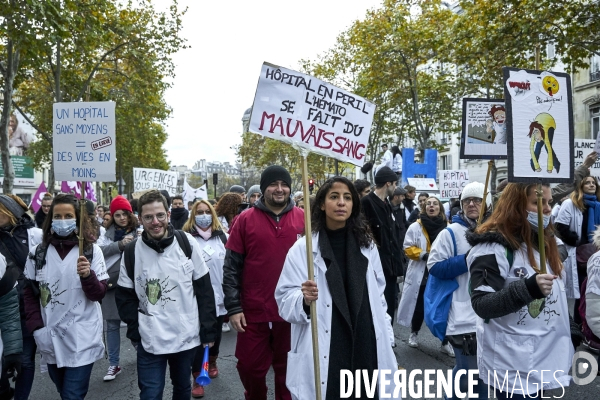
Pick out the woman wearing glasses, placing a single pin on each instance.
(121, 231)
(205, 227)
(448, 286)
(62, 299)
(417, 244)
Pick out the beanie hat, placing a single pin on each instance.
(237, 189)
(400, 191)
(12, 206)
(385, 174)
(475, 189)
(90, 208)
(253, 189)
(272, 174)
(120, 203)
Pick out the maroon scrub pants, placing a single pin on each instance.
(257, 349)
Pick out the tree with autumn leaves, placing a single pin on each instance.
(416, 60)
(74, 50)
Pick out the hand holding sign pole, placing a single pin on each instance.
(313, 116)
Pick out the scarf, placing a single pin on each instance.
(119, 233)
(409, 204)
(63, 245)
(207, 234)
(593, 206)
(433, 226)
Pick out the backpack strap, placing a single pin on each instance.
(223, 238)
(453, 240)
(129, 258)
(39, 258)
(184, 243)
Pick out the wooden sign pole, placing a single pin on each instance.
(311, 274)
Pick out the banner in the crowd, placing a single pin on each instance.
(147, 178)
(411, 169)
(307, 112)
(23, 171)
(583, 147)
(539, 126)
(74, 188)
(191, 194)
(36, 202)
(483, 129)
(452, 182)
(84, 141)
(423, 184)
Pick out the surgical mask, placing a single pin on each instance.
(532, 217)
(204, 221)
(64, 227)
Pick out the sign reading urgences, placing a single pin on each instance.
(84, 141)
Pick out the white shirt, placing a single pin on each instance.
(168, 312)
(72, 332)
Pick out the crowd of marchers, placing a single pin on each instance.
(179, 275)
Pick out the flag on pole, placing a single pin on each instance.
(74, 188)
(191, 194)
(36, 202)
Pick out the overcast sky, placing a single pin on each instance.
(216, 78)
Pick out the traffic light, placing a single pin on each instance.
(311, 185)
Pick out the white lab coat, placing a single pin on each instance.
(72, 332)
(288, 294)
(213, 253)
(414, 275)
(570, 215)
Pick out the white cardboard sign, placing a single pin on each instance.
(305, 111)
(84, 141)
(147, 178)
(452, 182)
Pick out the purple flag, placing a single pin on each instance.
(74, 187)
(36, 203)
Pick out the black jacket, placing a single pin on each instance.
(386, 232)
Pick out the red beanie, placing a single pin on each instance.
(120, 203)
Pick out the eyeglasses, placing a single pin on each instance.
(161, 217)
(476, 200)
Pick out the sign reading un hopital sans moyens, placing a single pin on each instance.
(84, 141)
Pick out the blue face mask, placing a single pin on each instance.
(64, 227)
(532, 217)
(204, 220)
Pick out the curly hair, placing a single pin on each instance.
(356, 223)
(228, 205)
(577, 195)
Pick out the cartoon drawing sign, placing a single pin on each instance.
(307, 112)
(539, 126)
(483, 129)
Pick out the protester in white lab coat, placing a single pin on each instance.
(346, 262)
(62, 300)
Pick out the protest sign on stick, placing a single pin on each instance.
(313, 116)
(148, 178)
(452, 182)
(300, 109)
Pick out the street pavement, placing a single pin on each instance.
(227, 385)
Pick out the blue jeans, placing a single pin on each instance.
(152, 368)
(466, 363)
(71, 382)
(516, 396)
(113, 340)
(25, 378)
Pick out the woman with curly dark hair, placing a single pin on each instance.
(227, 208)
(349, 275)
